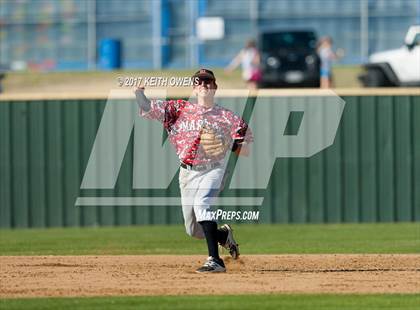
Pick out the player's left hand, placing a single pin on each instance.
(213, 145)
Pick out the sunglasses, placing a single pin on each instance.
(206, 81)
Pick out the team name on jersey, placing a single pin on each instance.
(193, 125)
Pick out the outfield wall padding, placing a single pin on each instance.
(371, 173)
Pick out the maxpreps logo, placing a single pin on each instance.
(283, 126)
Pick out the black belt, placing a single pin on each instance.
(201, 167)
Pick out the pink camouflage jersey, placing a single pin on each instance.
(183, 120)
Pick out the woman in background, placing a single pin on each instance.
(327, 56)
(249, 59)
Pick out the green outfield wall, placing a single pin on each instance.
(371, 173)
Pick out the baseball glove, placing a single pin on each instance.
(213, 144)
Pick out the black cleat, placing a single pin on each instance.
(212, 265)
(230, 244)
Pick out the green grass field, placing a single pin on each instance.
(301, 302)
(18, 82)
(254, 239)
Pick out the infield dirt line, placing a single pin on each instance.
(42, 276)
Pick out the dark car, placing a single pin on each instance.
(3, 70)
(289, 59)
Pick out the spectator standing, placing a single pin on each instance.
(249, 58)
(327, 56)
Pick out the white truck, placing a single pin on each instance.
(398, 67)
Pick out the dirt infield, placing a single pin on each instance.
(36, 276)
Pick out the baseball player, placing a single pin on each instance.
(203, 133)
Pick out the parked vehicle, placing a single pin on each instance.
(397, 67)
(289, 59)
(3, 71)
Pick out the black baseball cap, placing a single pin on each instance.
(205, 73)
